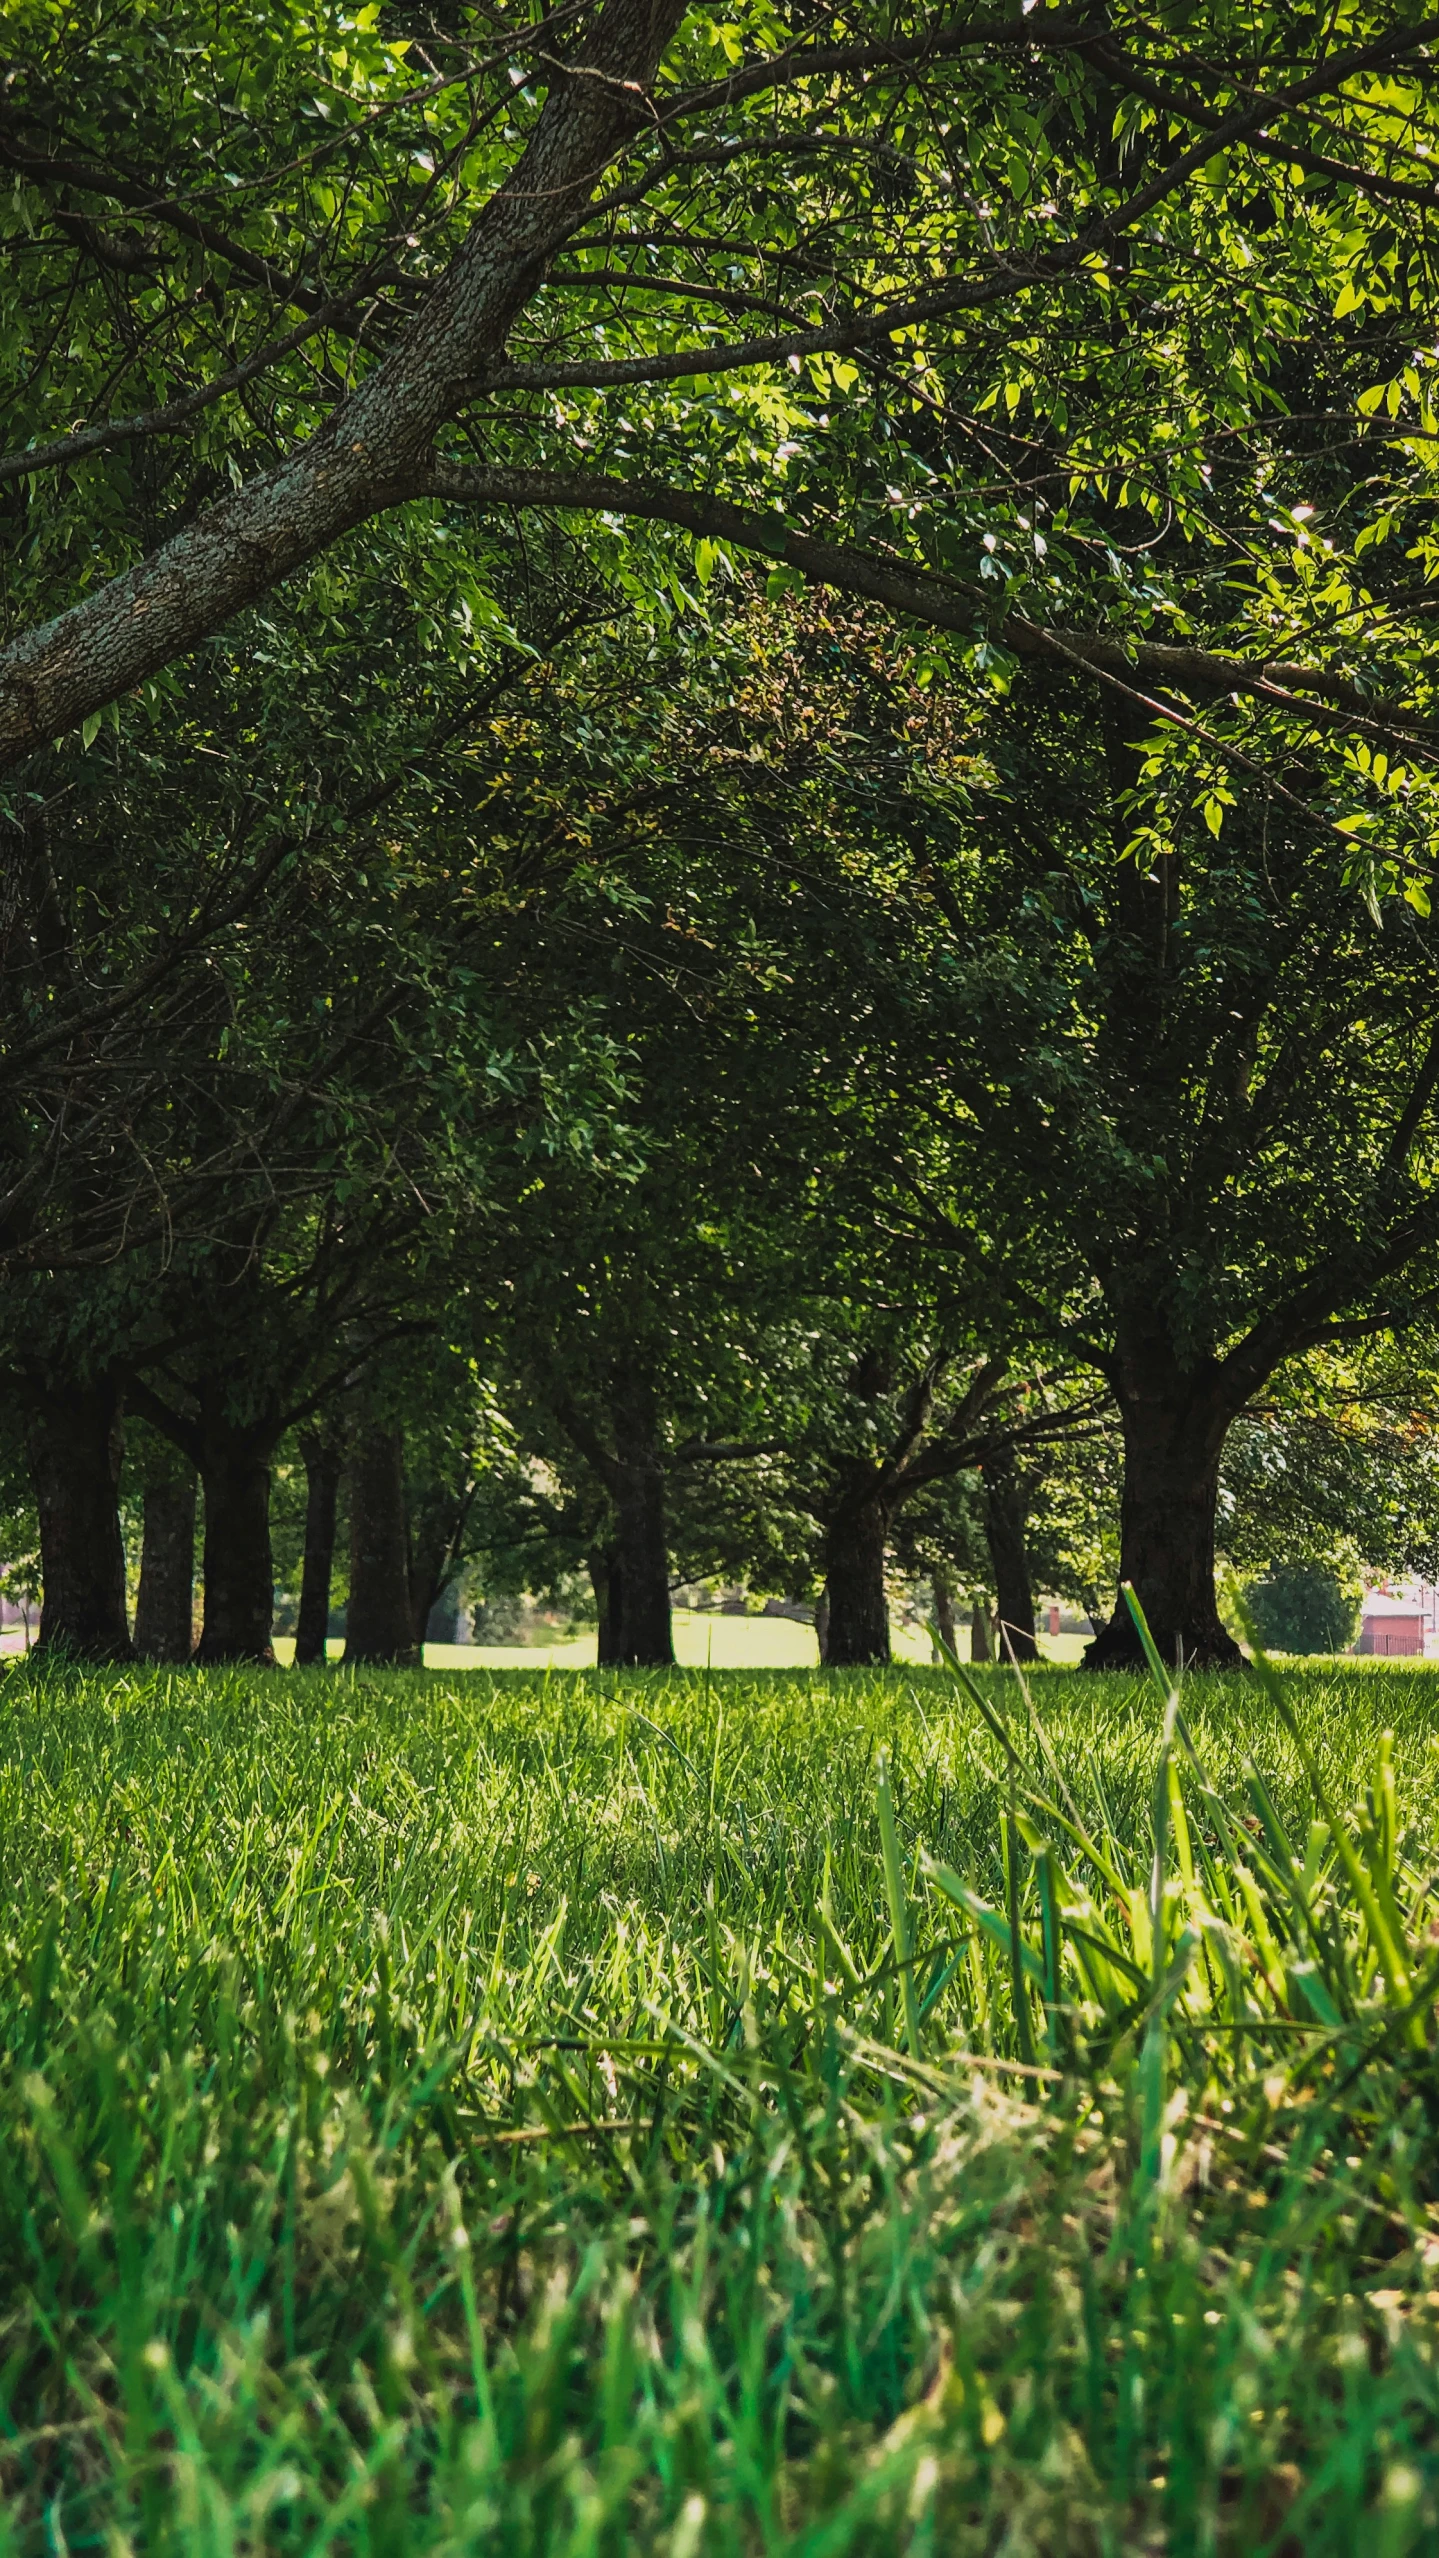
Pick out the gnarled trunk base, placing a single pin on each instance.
(1171, 1487)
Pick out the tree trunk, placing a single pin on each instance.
(646, 1632)
(821, 1625)
(73, 1443)
(165, 1606)
(604, 1571)
(854, 1580)
(323, 1467)
(981, 1642)
(944, 1608)
(378, 1624)
(1004, 1531)
(239, 1567)
(1173, 1442)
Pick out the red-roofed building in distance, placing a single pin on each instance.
(1401, 1620)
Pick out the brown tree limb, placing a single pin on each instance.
(922, 596)
(368, 452)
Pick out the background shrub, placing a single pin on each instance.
(1304, 1607)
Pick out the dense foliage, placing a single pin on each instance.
(1302, 1608)
(658, 662)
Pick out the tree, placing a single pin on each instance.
(1222, 1108)
(322, 1453)
(1008, 1490)
(165, 1599)
(902, 234)
(424, 1430)
(628, 1348)
(379, 1617)
(74, 1442)
(1150, 1075)
(198, 1085)
(1302, 1607)
(1336, 1465)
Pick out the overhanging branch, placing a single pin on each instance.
(922, 596)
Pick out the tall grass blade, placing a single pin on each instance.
(898, 1909)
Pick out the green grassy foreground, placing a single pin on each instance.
(522, 2115)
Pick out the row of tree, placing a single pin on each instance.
(726, 721)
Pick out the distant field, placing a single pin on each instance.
(701, 1636)
(492, 2113)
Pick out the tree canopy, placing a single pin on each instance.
(728, 709)
(1029, 325)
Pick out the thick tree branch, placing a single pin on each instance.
(1112, 58)
(921, 596)
(1008, 276)
(370, 453)
(366, 455)
(586, 1439)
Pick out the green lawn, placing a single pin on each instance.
(703, 1637)
(529, 2113)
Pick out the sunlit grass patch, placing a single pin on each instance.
(486, 2113)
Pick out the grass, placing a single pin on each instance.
(698, 2113)
(704, 1639)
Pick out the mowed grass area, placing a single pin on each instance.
(695, 2113)
(707, 1638)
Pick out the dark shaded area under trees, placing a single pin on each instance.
(716, 844)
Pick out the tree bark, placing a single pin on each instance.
(630, 1575)
(604, 1571)
(233, 1461)
(981, 1640)
(165, 1606)
(944, 1608)
(637, 1489)
(1004, 1531)
(73, 1444)
(821, 1625)
(854, 1581)
(239, 1567)
(323, 1468)
(646, 1627)
(370, 451)
(1174, 1432)
(379, 1626)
